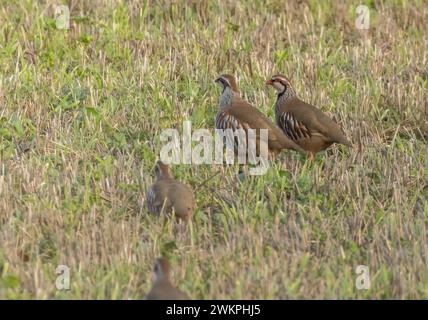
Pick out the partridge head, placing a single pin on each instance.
(303, 123)
(162, 288)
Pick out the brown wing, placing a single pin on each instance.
(314, 120)
(294, 129)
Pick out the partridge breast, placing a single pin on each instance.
(294, 129)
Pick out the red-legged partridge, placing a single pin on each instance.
(168, 195)
(162, 288)
(303, 123)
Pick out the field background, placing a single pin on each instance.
(81, 111)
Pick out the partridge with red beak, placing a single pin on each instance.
(235, 113)
(168, 195)
(303, 123)
(162, 288)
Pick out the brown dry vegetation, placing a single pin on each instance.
(81, 111)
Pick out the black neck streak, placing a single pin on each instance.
(225, 84)
(283, 91)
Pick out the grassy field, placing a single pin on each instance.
(81, 111)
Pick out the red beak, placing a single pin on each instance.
(269, 82)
